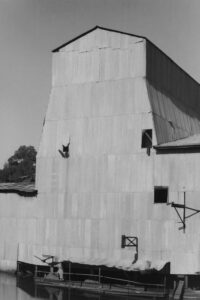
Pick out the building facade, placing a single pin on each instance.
(119, 156)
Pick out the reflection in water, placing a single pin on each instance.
(12, 288)
(54, 293)
(28, 287)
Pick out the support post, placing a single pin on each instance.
(18, 268)
(35, 270)
(186, 281)
(35, 290)
(99, 276)
(69, 271)
(165, 284)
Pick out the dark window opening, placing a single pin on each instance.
(160, 194)
(147, 138)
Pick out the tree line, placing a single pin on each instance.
(20, 166)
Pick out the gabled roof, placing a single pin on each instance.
(173, 94)
(121, 32)
(92, 29)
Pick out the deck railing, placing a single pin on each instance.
(101, 281)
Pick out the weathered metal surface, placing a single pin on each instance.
(106, 187)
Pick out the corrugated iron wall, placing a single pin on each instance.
(102, 105)
(106, 186)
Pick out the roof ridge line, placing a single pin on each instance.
(92, 29)
(129, 34)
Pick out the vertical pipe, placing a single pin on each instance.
(18, 266)
(184, 213)
(136, 255)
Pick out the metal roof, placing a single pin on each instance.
(21, 188)
(120, 32)
(174, 98)
(189, 142)
(92, 29)
(174, 95)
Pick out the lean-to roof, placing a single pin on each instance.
(21, 188)
(189, 142)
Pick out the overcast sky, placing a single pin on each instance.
(30, 29)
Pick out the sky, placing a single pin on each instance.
(31, 29)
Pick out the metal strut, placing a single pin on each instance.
(183, 218)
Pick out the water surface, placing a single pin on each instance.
(12, 288)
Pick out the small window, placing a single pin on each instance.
(147, 138)
(160, 194)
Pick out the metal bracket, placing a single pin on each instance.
(183, 218)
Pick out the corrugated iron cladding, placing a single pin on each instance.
(174, 96)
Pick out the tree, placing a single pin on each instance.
(21, 166)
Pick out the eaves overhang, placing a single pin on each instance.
(187, 147)
(21, 188)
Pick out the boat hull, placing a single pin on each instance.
(102, 288)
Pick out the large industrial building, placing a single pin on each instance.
(118, 166)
